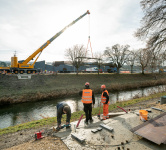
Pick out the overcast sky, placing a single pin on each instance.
(25, 25)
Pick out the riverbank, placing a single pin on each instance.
(76, 115)
(22, 136)
(41, 87)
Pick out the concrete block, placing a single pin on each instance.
(78, 138)
(106, 127)
(99, 128)
(96, 130)
(24, 76)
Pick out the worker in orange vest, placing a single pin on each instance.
(105, 101)
(87, 100)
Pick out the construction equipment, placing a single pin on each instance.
(99, 112)
(122, 109)
(38, 135)
(143, 115)
(25, 66)
(67, 126)
(63, 126)
(79, 120)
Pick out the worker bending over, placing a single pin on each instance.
(87, 100)
(105, 101)
(63, 108)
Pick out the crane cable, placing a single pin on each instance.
(89, 42)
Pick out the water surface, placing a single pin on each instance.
(20, 113)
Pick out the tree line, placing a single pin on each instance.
(152, 31)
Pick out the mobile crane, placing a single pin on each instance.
(25, 66)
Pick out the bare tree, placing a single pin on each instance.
(163, 56)
(75, 55)
(153, 60)
(160, 61)
(143, 58)
(99, 58)
(153, 24)
(131, 59)
(117, 54)
(3, 64)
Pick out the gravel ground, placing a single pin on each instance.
(25, 140)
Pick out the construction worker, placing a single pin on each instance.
(63, 108)
(105, 101)
(87, 100)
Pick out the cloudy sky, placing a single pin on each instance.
(25, 25)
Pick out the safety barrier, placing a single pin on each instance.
(24, 76)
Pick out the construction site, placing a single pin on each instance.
(64, 106)
(125, 129)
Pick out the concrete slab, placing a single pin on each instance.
(111, 115)
(121, 136)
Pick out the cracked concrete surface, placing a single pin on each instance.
(120, 138)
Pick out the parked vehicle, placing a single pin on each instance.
(112, 70)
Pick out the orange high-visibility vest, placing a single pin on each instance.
(103, 98)
(87, 96)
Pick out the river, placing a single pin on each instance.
(20, 113)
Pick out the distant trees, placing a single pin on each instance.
(153, 24)
(99, 58)
(153, 31)
(75, 55)
(143, 58)
(3, 64)
(117, 54)
(131, 59)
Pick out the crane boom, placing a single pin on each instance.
(25, 64)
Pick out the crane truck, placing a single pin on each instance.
(25, 66)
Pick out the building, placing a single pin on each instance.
(66, 67)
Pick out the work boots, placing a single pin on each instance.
(86, 122)
(91, 120)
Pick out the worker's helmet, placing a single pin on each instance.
(87, 84)
(103, 86)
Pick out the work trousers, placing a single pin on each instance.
(88, 111)
(105, 111)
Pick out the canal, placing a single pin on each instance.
(20, 113)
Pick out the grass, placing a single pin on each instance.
(42, 87)
(75, 116)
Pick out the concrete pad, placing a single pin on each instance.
(121, 136)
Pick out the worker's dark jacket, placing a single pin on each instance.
(93, 98)
(107, 97)
(60, 112)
